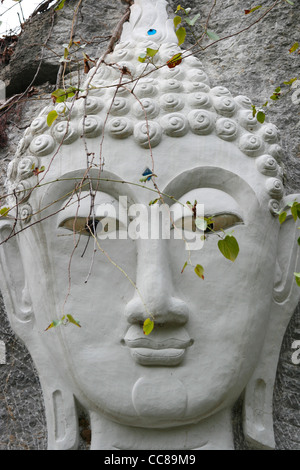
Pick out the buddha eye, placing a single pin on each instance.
(215, 223)
(222, 222)
(76, 225)
(91, 226)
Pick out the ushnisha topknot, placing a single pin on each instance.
(148, 102)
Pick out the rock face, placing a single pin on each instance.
(253, 63)
(43, 41)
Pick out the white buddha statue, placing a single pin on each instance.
(213, 339)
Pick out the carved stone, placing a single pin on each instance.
(214, 339)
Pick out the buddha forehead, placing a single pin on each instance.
(132, 116)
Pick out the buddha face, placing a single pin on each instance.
(208, 332)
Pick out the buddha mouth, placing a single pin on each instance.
(164, 347)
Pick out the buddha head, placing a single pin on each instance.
(140, 141)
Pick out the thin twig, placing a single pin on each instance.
(37, 71)
(63, 65)
(237, 33)
(123, 272)
(116, 34)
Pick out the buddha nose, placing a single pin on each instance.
(154, 288)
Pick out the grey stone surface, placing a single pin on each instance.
(22, 416)
(254, 64)
(92, 26)
(286, 393)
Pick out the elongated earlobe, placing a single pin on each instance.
(62, 418)
(258, 402)
(61, 414)
(13, 283)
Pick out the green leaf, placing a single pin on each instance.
(294, 47)
(50, 326)
(59, 95)
(155, 201)
(142, 58)
(148, 326)
(297, 277)
(282, 217)
(253, 110)
(290, 82)
(229, 247)
(192, 21)
(275, 96)
(294, 210)
(177, 20)
(55, 324)
(4, 211)
(261, 117)
(181, 35)
(151, 52)
(60, 5)
(71, 92)
(174, 61)
(52, 116)
(199, 270)
(71, 320)
(151, 203)
(252, 9)
(289, 1)
(299, 241)
(212, 35)
(185, 265)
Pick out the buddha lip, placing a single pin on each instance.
(168, 339)
(146, 343)
(158, 357)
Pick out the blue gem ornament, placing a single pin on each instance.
(151, 32)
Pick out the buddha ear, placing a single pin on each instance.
(60, 406)
(13, 283)
(258, 400)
